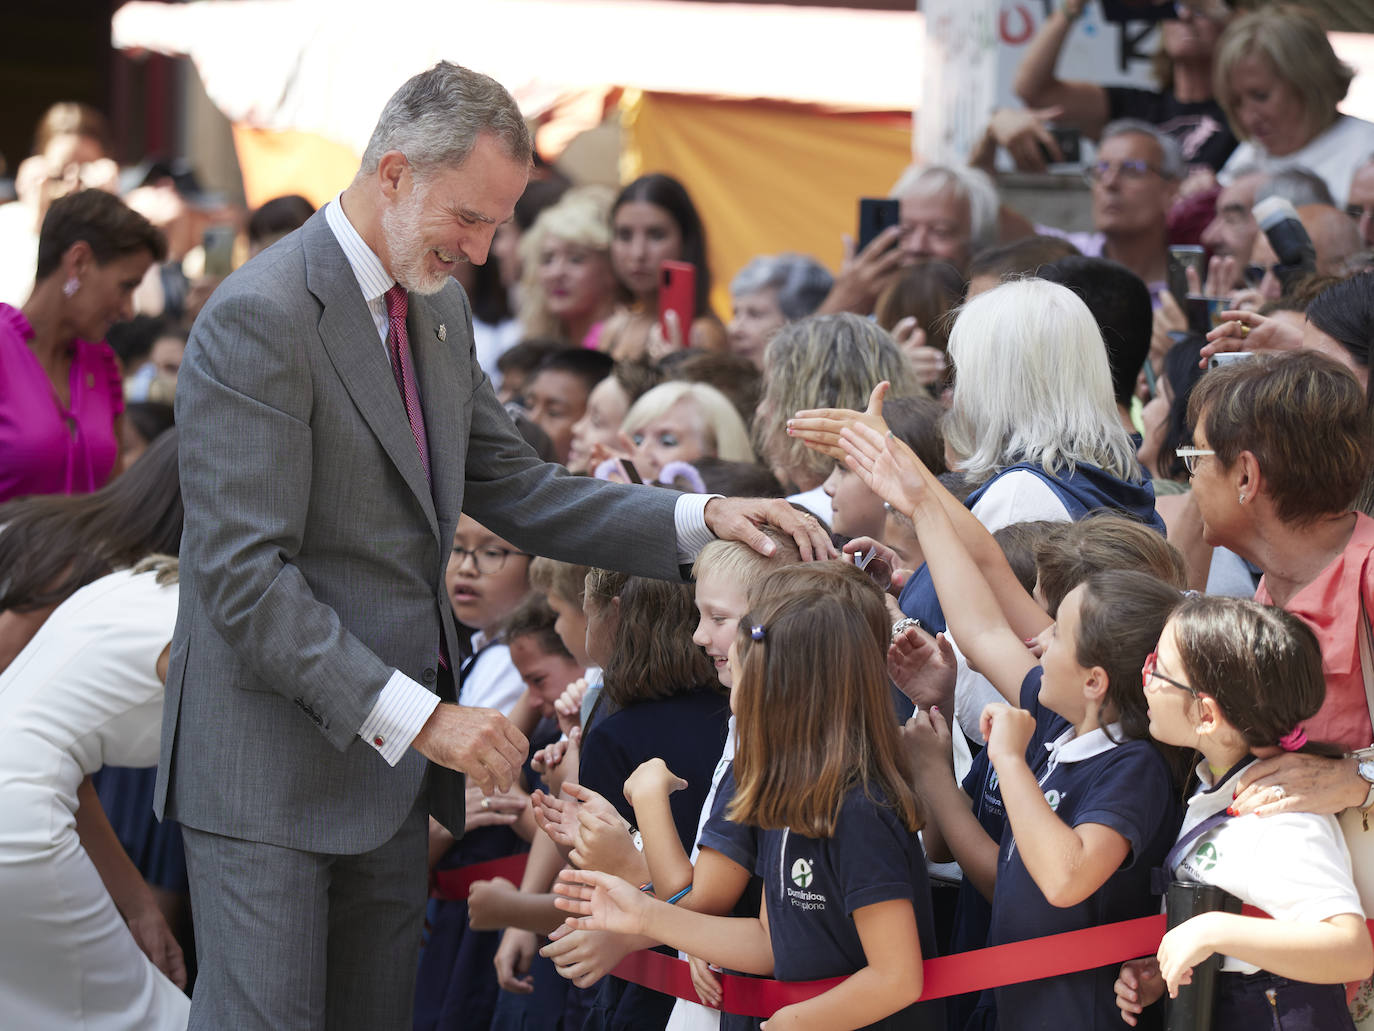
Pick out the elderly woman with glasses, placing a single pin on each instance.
(1282, 445)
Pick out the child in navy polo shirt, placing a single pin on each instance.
(971, 811)
(1088, 797)
(1233, 678)
(820, 774)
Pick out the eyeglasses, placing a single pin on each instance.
(1131, 169)
(1357, 212)
(1149, 671)
(1190, 455)
(487, 560)
(1213, 9)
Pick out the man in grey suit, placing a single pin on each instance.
(334, 423)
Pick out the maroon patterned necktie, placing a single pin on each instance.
(402, 366)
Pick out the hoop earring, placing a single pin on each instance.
(71, 286)
(1241, 499)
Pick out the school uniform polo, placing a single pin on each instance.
(1294, 866)
(1087, 779)
(812, 886)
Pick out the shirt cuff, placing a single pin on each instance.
(401, 710)
(689, 519)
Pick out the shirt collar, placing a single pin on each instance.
(373, 279)
(1068, 748)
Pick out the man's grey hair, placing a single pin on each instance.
(1170, 156)
(971, 185)
(436, 118)
(1297, 185)
(801, 282)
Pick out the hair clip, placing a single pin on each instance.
(756, 632)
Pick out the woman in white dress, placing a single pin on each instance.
(86, 691)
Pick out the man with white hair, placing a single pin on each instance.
(946, 213)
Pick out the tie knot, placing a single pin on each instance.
(396, 302)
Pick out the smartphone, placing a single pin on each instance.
(875, 215)
(631, 473)
(1181, 259)
(218, 242)
(1070, 142)
(677, 292)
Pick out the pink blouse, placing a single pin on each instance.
(1330, 605)
(44, 447)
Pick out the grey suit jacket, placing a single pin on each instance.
(314, 550)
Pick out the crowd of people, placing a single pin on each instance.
(993, 585)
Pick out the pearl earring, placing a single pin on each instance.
(71, 286)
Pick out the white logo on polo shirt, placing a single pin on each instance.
(801, 873)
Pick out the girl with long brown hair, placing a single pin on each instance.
(820, 778)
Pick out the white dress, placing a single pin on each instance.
(82, 694)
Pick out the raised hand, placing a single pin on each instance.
(927, 741)
(889, 468)
(819, 428)
(652, 778)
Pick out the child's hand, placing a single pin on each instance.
(600, 902)
(513, 961)
(1007, 730)
(568, 706)
(499, 809)
(650, 780)
(1137, 986)
(483, 899)
(705, 981)
(585, 957)
(602, 841)
(923, 668)
(789, 1018)
(1183, 948)
(558, 763)
(929, 745)
(556, 818)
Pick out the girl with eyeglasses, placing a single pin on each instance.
(1233, 680)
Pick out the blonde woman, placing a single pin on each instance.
(567, 289)
(682, 422)
(1279, 82)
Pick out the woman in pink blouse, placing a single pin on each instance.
(60, 389)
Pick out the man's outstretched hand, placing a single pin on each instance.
(480, 743)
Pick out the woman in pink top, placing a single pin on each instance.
(60, 392)
(1282, 446)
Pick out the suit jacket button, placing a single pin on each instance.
(428, 675)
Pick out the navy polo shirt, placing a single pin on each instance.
(1126, 787)
(812, 886)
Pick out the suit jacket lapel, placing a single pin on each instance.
(437, 376)
(359, 357)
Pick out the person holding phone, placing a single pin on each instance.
(653, 220)
(1183, 106)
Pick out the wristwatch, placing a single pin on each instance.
(1364, 766)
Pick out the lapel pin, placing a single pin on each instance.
(441, 332)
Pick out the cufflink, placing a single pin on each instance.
(441, 333)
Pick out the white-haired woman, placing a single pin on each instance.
(770, 292)
(568, 289)
(681, 422)
(1033, 422)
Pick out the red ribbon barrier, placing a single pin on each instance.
(454, 885)
(972, 971)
